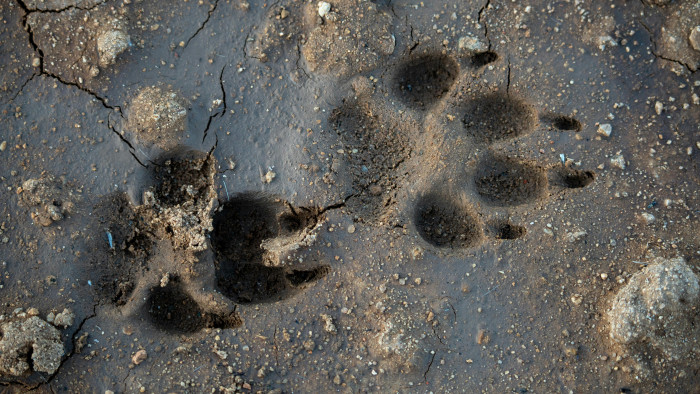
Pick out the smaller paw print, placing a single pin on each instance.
(182, 265)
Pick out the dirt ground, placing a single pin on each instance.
(349, 196)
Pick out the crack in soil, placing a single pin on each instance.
(201, 27)
(72, 351)
(658, 56)
(42, 71)
(425, 374)
(220, 112)
(486, 28)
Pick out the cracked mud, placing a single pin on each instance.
(352, 195)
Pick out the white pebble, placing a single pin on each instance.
(658, 107)
(618, 161)
(647, 217)
(324, 8)
(605, 129)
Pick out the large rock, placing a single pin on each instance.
(658, 308)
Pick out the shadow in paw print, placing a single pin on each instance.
(121, 249)
(171, 309)
(497, 116)
(503, 181)
(374, 152)
(572, 178)
(481, 59)
(251, 234)
(423, 81)
(563, 122)
(510, 231)
(446, 222)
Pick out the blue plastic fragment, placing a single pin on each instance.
(109, 239)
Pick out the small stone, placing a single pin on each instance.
(604, 276)
(329, 324)
(351, 228)
(571, 351)
(139, 357)
(471, 44)
(284, 14)
(109, 392)
(658, 107)
(336, 380)
(375, 190)
(32, 312)
(647, 217)
(3, 146)
(324, 8)
(64, 319)
(618, 161)
(36, 62)
(261, 373)
(270, 176)
(605, 129)
(222, 354)
(576, 299)
(694, 38)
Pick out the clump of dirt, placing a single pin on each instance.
(374, 152)
(180, 205)
(112, 40)
(497, 116)
(158, 115)
(29, 344)
(49, 199)
(423, 81)
(659, 311)
(503, 181)
(352, 37)
(446, 222)
(57, 5)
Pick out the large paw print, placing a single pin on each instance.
(184, 265)
(435, 148)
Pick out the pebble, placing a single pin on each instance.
(324, 8)
(3, 146)
(605, 129)
(577, 299)
(618, 161)
(604, 276)
(694, 38)
(139, 357)
(36, 62)
(658, 107)
(647, 217)
(351, 228)
(471, 44)
(269, 176)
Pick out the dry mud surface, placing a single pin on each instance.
(349, 196)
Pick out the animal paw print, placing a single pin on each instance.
(184, 265)
(438, 148)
